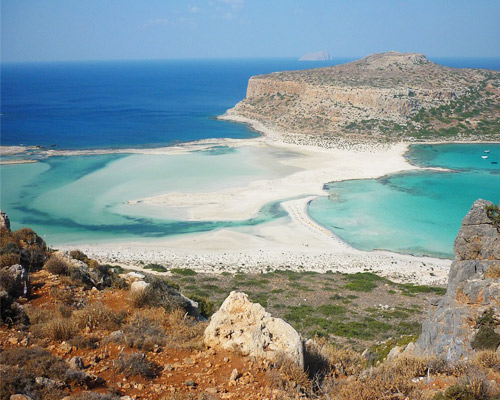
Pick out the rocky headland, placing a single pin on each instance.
(383, 97)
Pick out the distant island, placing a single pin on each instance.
(316, 56)
(382, 97)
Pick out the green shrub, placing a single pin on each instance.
(155, 267)
(362, 281)
(486, 339)
(183, 271)
(205, 306)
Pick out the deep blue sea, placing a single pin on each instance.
(127, 104)
(157, 103)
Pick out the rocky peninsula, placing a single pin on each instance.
(380, 98)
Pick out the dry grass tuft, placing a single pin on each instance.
(289, 377)
(184, 332)
(487, 359)
(97, 315)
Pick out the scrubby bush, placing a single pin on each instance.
(137, 364)
(159, 293)
(97, 315)
(23, 247)
(57, 266)
(144, 333)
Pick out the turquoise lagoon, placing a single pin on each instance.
(84, 198)
(415, 213)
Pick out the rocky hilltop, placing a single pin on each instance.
(467, 318)
(380, 97)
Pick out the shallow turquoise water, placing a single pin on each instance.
(84, 198)
(416, 213)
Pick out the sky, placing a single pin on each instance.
(64, 30)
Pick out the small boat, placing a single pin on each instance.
(486, 151)
(494, 162)
(484, 156)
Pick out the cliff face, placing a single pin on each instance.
(468, 316)
(384, 94)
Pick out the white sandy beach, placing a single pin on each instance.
(299, 243)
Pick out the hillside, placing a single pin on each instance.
(381, 97)
(74, 329)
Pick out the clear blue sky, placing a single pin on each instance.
(45, 30)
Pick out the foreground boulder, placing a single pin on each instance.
(242, 326)
(467, 317)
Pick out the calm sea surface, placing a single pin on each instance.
(148, 104)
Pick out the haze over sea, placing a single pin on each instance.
(157, 103)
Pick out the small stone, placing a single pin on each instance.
(140, 386)
(168, 367)
(76, 363)
(19, 397)
(188, 361)
(190, 383)
(234, 375)
(211, 390)
(13, 340)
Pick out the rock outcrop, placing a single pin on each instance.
(4, 221)
(242, 326)
(382, 95)
(470, 308)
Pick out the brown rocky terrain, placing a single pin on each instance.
(75, 329)
(380, 97)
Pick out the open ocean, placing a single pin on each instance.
(157, 103)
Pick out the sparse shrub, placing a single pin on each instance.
(39, 362)
(6, 260)
(184, 331)
(137, 364)
(155, 267)
(79, 255)
(183, 271)
(288, 376)
(144, 333)
(58, 328)
(56, 266)
(205, 307)
(160, 293)
(97, 315)
(487, 359)
(485, 339)
(362, 281)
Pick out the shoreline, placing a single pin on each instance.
(299, 243)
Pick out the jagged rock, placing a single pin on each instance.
(4, 221)
(246, 327)
(19, 281)
(473, 288)
(11, 312)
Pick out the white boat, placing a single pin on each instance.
(484, 156)
(486, 151)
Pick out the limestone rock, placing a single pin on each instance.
(15, 281)
(76, 363)
(138, 286)
(4, 222)
(473, 288)
(21, 280)
(242, 326)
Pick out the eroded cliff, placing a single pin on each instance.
(381, 96)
